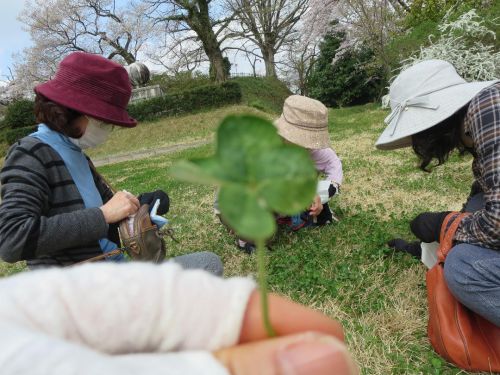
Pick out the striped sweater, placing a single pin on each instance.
(43, 219)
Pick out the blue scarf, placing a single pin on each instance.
(79, 169)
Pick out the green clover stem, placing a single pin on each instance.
(262, 278)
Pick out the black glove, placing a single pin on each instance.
(150, 198)
(332, 190)
(427, 226)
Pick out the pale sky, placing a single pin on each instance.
(12, 37)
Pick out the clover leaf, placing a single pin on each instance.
(258, 175)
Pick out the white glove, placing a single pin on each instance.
(157, 219)
(99, 318)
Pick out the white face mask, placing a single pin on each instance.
(97, 133)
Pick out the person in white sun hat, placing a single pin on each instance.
(436, 111)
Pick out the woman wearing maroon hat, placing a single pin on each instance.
(56, 210)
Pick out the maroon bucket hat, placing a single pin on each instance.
(91, 85)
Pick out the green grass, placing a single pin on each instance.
(265, 94)
(345, 269)
(168, 131)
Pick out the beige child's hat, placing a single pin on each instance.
(304, 122)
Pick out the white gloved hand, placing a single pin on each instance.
(145, 319)
(157, 219)
(118, 319)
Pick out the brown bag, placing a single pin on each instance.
(140, 237)
(458, 334)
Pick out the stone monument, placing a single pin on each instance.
(139, 75)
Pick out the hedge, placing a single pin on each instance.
(12, 135)
(19, 114)
(202, 97)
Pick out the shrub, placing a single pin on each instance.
(180, 82)
(203, 97)
(12, 135)
(434, 10)
(467, 43)
(19, 114)
(426, 32)
(346, 79)
(264, 93)
(408, 43)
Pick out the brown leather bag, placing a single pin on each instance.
(458, 334)
(140, 237)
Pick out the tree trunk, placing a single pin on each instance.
(217, 65)
(268, 56)
(201, 24)
(127, 56)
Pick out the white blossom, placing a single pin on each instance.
(461, 44)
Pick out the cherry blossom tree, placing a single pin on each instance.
(59, 27)
(96, 26)
(372, 23)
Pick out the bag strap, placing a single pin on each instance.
(102, 256)
(448, 230)
(94, 170)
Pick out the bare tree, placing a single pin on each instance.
(252, 59)
(96, 26)
(298, 65)
(269, 24)
(177, 53)
(200, 17)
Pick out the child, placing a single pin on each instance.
(304, 122)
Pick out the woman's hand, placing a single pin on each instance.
(316, 207)
(122, 205)
(308, 342)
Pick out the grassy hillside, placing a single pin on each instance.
(168, 131)
(267, 94)
(261, 94)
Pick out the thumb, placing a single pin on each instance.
(306, 353)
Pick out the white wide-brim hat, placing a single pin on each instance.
(304, 122)
(422, 96)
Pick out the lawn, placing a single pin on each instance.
(168, 131)
(345, 269)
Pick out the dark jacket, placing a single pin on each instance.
(43, 219)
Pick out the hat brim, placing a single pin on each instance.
(314, 140)
(84, 104)
(417, 119)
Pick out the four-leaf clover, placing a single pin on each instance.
(258, 175)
